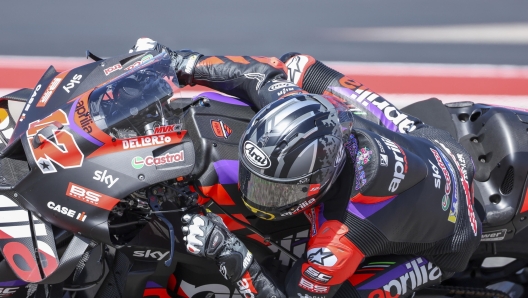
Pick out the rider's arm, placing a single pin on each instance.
(315, 77)
(331, 258)
(259, 80)
(207, 236)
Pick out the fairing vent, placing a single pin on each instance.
(13, 164)
(507, 184)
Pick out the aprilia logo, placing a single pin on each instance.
(158, 255)
(400, 166)
(416, 276)
(246, 287)
(256, 156)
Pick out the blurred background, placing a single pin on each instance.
(407, 50)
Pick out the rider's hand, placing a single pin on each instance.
(183, 61)
(207, 236)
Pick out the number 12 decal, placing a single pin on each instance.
(61, 149)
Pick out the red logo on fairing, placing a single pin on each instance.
(220, 129)
(60, 149)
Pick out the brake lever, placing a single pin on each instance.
(155, 206)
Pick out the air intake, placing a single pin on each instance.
(507, 183)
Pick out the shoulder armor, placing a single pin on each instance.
(393, 169)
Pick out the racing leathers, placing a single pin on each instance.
(398, 218)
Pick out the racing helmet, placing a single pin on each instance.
(291, 153)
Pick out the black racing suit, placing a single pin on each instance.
(400, 215)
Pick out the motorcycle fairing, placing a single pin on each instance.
(20, 233)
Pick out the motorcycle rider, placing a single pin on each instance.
(401, 190)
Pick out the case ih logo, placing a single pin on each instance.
(91, 197)
(139, 162)
(220, 129)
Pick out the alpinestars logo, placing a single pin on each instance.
(296, 66)
(220, 129)
(322, 256)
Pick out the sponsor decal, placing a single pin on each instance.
(4, 119)
(146, 141)
(417, 274)
(220, 129)
(390, 116)
(158, 255)
(247, 260)
(311, 287)
(384, 160)
(7, 292)
(321, 256)
(223, 270)
(84, 120)
(103, 177)
(436, 175)
(190, 64)
(164, 129)
(91, 197)
(81, 216)
(135, 64)
(299, 207)
(447, 187)
(312, 218)
(112, 68)
(400, 164)
(256, 156)
(494, 235)
(281, 85)
(32, 98)
(146, 58)
(317, 276)
(139, 162)
(295, 67)
(340, 155)
(256, 76)
(49, 91)
(75, 80)
(308, 296)
(246, 287)
(465, 187)
(382, 150)
(445, 202)
(61, 150)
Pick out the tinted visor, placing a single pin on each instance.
(273, 195)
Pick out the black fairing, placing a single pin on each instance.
(496, 138)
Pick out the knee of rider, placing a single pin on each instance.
(331, 256)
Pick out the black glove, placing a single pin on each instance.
(207, 236)
(183, 61)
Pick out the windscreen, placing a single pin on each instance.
(135, 103)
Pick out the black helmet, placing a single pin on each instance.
(292, 151)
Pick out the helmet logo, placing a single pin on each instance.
(256, 156)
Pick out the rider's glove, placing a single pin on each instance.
(183, 61)
(207, 236)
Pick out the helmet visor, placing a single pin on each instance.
(269, 194)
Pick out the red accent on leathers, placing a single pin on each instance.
(331, 235)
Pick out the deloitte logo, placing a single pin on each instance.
(139, 162)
